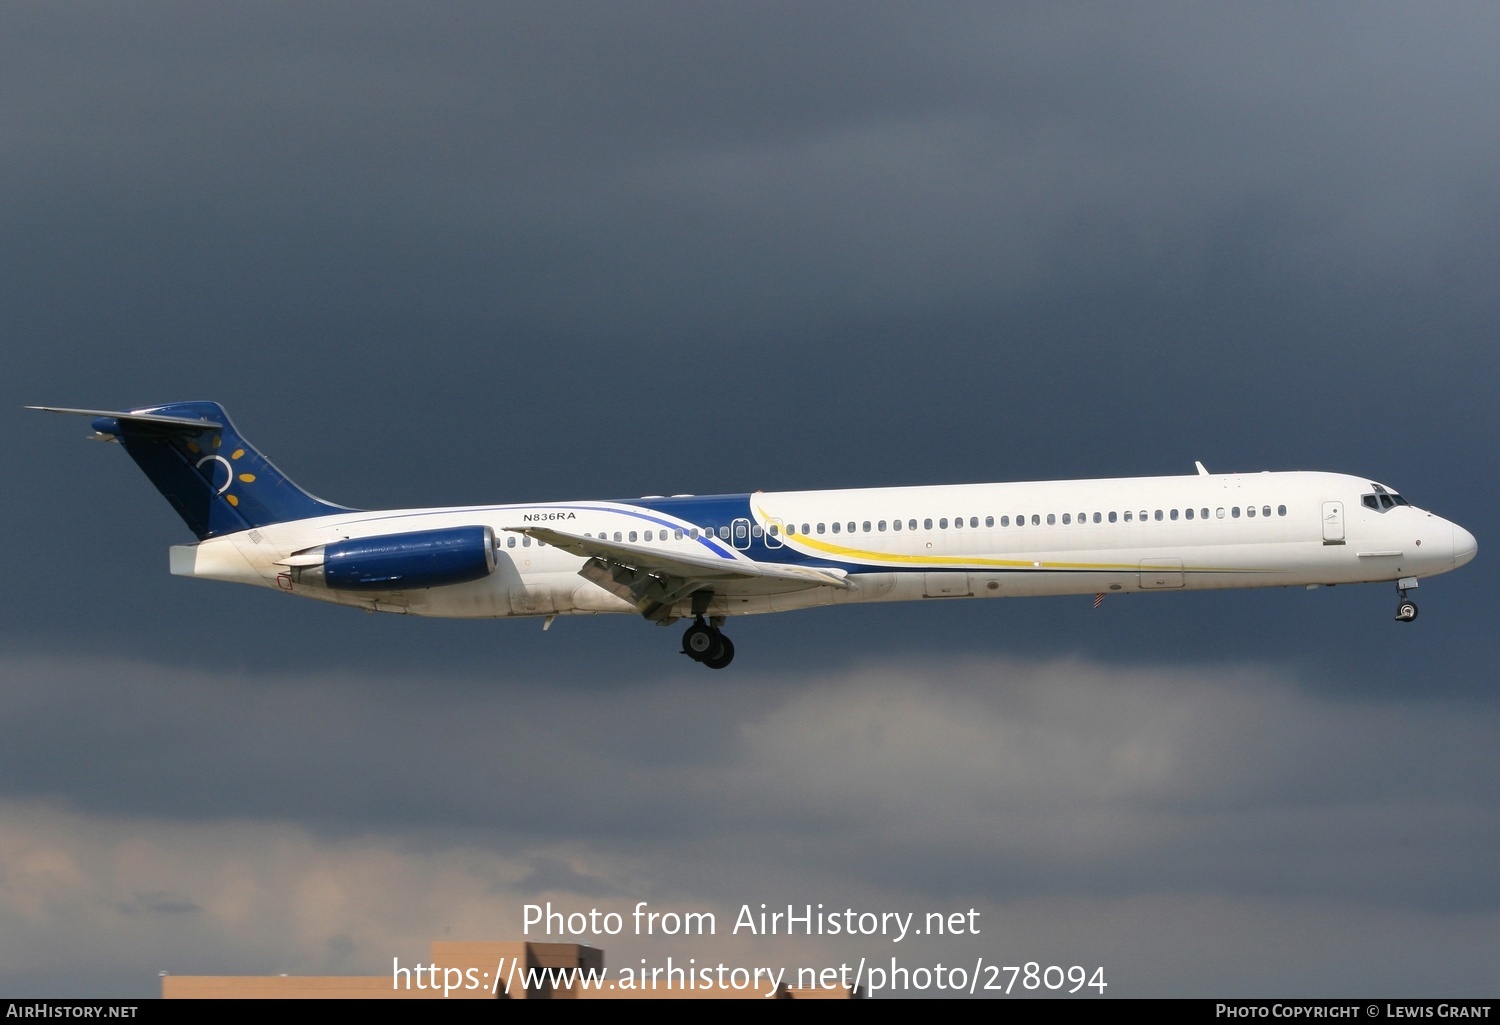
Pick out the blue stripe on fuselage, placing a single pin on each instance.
(707, 511)
(722, 511)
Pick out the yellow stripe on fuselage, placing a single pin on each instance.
(900, 558)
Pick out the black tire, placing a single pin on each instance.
(723, 656)
(699, 642)
(1406, 611)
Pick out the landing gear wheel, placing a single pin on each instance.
(700, 641)
(1406, 611)
(722, 657)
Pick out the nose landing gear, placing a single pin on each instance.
(1406, 610)
(704, 643)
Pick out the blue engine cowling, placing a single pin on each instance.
(399, 562)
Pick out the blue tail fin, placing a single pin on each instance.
(212, 476)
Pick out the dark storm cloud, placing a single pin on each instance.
(838, 159)
(1063, 775)
(1030, 791)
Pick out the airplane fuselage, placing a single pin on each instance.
(1193, 532)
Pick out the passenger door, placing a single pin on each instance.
(1333, 523)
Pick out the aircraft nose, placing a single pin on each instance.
(1465, 546)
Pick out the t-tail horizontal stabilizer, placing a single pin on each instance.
(214, 478)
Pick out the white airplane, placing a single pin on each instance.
(709, 558)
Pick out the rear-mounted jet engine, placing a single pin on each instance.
(398, 562)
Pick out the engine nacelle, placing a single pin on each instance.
(399, 562)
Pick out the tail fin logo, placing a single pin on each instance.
(230, 477)
(213, 477)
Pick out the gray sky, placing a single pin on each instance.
(475, 253)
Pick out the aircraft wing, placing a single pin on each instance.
(702, 568)
(654, 581)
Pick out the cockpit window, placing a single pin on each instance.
(1382, 500)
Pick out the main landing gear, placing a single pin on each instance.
(704, 643)
(1406, 610)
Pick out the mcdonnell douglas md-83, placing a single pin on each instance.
(705, 559)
